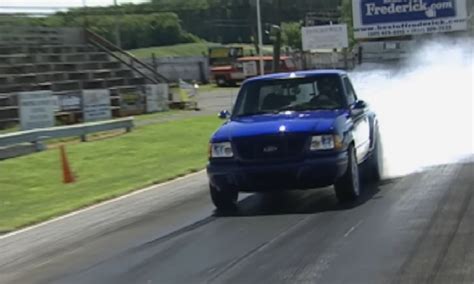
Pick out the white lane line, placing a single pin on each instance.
(14, 233)
(353, 228)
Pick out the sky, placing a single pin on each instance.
(30, 5)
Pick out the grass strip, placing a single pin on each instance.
(31, 188)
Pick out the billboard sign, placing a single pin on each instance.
(324, 37)
(36, 109)
(70, 101)
(131, 102)
(156, 97)
(250, 68)
(391, 18)
(96, 104)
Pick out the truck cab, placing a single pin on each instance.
(295, 130)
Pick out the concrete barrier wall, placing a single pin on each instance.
(185, 68)
(328, 60)
(386, 51)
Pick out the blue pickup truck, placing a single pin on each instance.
(298, 130)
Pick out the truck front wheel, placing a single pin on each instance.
(348, 186)
(375, 162)
(224, 200)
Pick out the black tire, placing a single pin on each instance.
(375, 162)
(224, 200)
(221, 81)
(348, 186)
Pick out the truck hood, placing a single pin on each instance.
(314, 122)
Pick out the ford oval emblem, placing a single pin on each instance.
(270, 149)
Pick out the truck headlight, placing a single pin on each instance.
(221, 150)
(325, 142)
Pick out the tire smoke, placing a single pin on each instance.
(425, 105)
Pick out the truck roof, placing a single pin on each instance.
(298, 74)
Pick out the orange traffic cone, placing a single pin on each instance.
(68, 177)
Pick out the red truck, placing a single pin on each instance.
(247, 67)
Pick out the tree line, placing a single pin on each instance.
(167, 22)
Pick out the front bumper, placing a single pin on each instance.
(309, 173)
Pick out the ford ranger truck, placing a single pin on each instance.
(294, 131)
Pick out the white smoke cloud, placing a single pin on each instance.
(425, 108)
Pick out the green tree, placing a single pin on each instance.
(162, 22)
(291, 34)
(346, 17)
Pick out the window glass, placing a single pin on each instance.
(351, 96)
(298, 94)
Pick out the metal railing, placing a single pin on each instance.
(125, 57)
(38, 136)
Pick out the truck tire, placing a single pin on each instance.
(375, 161)
(224, 200)
(221, 81)
(348, 186)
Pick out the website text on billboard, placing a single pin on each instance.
(387, 18)
(389, 11)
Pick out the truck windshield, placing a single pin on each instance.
(294, 94)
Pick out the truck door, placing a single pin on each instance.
(360, 118)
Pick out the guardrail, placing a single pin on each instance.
(37, 136)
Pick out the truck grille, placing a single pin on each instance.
(271, 147)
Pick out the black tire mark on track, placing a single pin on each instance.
(449, 241)
(403, 271)
(253, 251)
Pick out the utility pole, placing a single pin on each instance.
(84, 18)
(276, 31)
(260, 39)
(253, 31)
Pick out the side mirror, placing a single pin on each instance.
(358, 108)
(360, 105)
(224, 114)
